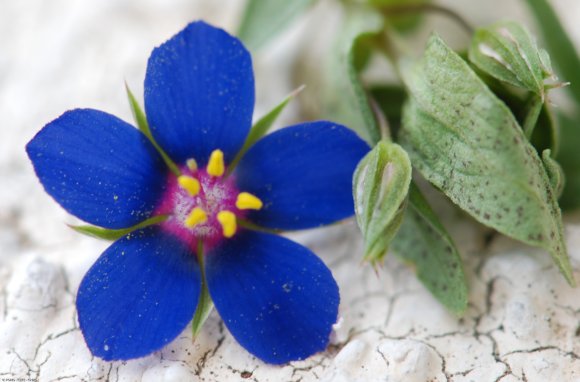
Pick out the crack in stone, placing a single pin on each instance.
(462, 373)
(565, 353)
(310, 367)
(443, 360)
(209, 354)
(383, 357)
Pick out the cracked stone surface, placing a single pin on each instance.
(522, 324)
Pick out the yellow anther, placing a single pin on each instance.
(247, 201)
(189, 184)
(196, 216)
(191, 164)
(228, 221)
(216, 165)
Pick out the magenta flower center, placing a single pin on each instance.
(203, 204)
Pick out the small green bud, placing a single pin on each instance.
(380, 186)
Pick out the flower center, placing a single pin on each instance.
(202, 204)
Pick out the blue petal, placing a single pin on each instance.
(199, 93)
(98, 168)
(303, 174)
(275, 296)
(139, 295)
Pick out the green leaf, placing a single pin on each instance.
(114, 234)
(423, 242)
(261, 127)
(143, 125)
(380, 186)
(507, 51)
(205, 303)
(466, 142)
(569, 159)
(263, 20)
(560, 46)
(336, 92)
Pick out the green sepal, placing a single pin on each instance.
(264, 20)
(507, 51)
(380, 185)
(205, 303)
(262, 126)
(203, 310)
(424, 243)
(143, 125)
(466, 142)
(114, 234)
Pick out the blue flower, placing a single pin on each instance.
(275, 296)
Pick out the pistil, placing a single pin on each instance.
(191, 164)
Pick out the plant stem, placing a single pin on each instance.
(402, 9)
(382, 123)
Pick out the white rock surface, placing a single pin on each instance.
(523, 321)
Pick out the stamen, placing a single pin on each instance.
(196, 216)
(191, 164)
(189, 184)
(247, 201)
(228, 221)
(216, 165)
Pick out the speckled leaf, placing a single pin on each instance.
(380, 186)
(423, 242)
(263, 20)
(507, 51)
(114, 234)
(466, 142)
